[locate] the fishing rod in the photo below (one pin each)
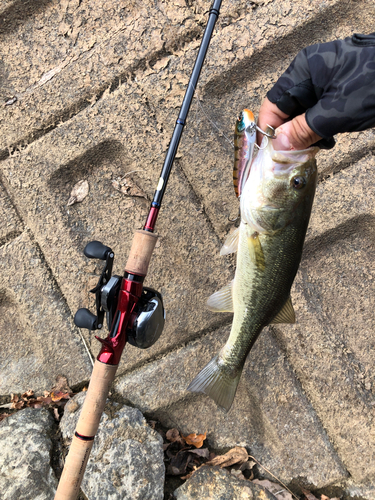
(134, 313)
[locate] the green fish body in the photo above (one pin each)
(275, 206)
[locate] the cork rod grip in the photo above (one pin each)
(87, 426)
(140, 254)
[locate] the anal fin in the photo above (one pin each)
(286, 315)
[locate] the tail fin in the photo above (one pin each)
(215, 381)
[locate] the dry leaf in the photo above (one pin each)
(236, 455)
(178, 463)
(129, 188)
(238, 474)
(203, 452)
(16, 403)
(39, 402)
(247, 465)
(61, 385)
(27, 394)
(188, 476)
(56, 414)
(173, 436)
(57, 396)
(195, 439)
(278, 491)
(79, 192)
(14, 398)
(18, 406)
(4, 415)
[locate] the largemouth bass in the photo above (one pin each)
(275, 207)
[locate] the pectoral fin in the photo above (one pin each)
(286, 315)
(221, 301)
(231, 243)
(256, 251)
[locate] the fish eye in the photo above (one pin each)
(240, 123)
(298, 182)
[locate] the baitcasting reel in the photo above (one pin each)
(116, 296)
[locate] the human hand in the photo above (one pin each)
(292, 134)
(328, 89)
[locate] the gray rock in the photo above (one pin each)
(25, 471)
(218, 484)
(127, 460)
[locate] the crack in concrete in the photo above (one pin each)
(166, 352)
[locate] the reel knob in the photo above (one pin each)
(96, 250)
(86, 319)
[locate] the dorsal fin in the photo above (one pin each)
(221, 301)
(286, 315)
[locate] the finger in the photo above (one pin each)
(269, 114)
(295, 134)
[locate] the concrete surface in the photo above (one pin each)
(98, 87)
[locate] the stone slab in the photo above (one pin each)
(59, 57)
(102, 145)
(331, 346)
(38, 338)
(271, 415)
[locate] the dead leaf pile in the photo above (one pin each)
(56, 398)
(185, 454)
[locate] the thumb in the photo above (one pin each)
(295, 134)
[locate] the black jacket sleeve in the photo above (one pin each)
(334, 83)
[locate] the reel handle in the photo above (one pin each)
(96, 250)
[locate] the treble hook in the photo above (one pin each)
(270, 131)
(269, 134)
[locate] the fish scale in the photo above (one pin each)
(276, 203)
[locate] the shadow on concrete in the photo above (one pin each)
(318, 28)
(362, 224)
(18, 12)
